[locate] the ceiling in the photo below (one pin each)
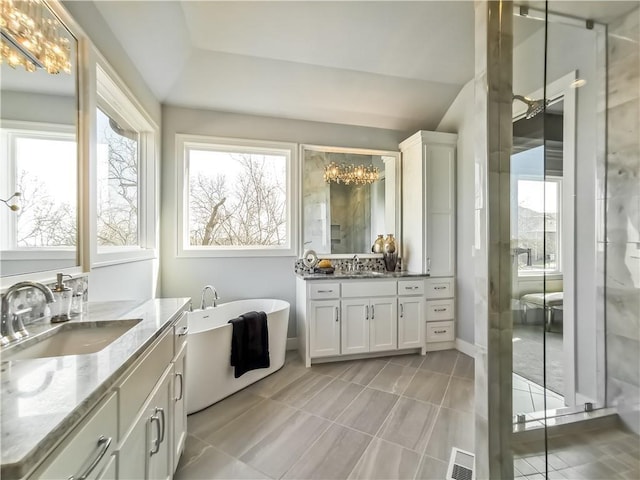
(396, 65)
(386, 64)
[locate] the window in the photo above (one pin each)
(537, 229)
(42, 164)
(237, 197)
(124, 196)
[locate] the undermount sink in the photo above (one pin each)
(71, 339)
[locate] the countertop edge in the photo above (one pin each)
(44, 447)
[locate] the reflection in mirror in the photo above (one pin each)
(39, 158)
(344, 211)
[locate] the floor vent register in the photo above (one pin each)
(461, 465)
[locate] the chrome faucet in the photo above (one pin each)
(215, 296)
(12, 329)
(355, 263)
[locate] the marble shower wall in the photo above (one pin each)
(492, 260)
(622, 244)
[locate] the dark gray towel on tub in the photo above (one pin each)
(249, 342)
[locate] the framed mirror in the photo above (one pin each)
(39, 186)
(349, 197)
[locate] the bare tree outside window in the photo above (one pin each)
(117, 206)
(237, 199)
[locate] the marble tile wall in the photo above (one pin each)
(492, 262)
(622, 195)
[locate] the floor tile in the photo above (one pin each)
(239, 435)
(282, 447)
(432, 469)
(333, 456)
(213, 418)
(441, 362)
(368, 411)
(393, 378)
(203, 461)
(331, 401)
(522, 402)
(302, 389)
(383, 460)
(363, 371)
(460, 394)
(333, 369)
(411, 360)
(551, 402)
(465, 366)
(278, 380)
(595, 471)
(428, 386)
(524, 467)
(452, 429)
(410, 423)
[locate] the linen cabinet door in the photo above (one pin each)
(355, 326)
(410, 322)
(383, 324)
(179, 405)
(324, 328)
(160, 430)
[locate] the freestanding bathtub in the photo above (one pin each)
(209, 374)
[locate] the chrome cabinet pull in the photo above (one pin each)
(179, 375)
(103, 446)
(401, 310)
(366, 310)
(325, 291)
(162, 417)
(439, 331)
(337, 314)
(428, 264)
(439, 288)
(156, 448)
(373, 312)
(439, 309)
(183, 331)
(415, 287)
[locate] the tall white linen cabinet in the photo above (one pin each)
(429, 226)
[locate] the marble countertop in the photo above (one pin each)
(359, 275)
(42, 398)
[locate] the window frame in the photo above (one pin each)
(115, 99)
(558, 271)
(289, 150)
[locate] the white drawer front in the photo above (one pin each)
(439, 288)
(440, 332)
(411, 287)
(321, 289)
(440, 310)
(371, 288)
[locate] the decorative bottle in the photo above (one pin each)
(389, 244)
(390, 255)
(61, 307)
(378, 245)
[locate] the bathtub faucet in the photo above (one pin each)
(215, 296)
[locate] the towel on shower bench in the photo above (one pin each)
(249, 342)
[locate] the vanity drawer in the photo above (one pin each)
(440, 310)
(439, 287)
(135, 388)
(440, 332)
(372, 288)
(321, 289)
(411, 287)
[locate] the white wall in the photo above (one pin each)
(460, 119)
(254, 277)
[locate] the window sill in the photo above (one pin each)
(235, 252)
(127, 256)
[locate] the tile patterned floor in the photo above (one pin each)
(386, 418)
(601, 454)
(528, 397)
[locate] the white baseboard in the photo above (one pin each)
(466, 347)
(292, 343)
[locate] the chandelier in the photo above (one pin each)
(351, 174)
(31, 37)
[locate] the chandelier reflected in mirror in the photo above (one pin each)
(350, 174)
(31, 37)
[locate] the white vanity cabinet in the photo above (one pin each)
(411, 304)
(180, 331)
(428, 203)
(440, 314)
(359, 317)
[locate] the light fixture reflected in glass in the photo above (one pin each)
(351, 174)
(32, 37)
(13, 206)
(577, 83)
